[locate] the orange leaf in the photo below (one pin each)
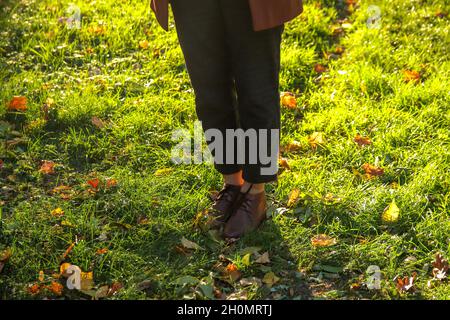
(411, 76)
(69, 249)
(102, 251)
(94, 183)
(372, 171)
(284, 163)
(34, 289)
(18, 103)
(41, 276)
(323, 240)
(47, 167)
(144, 44)
(406, 284)
(288, 100)
(231, 267)
(56, 288)
(111, 183)
(319, 68)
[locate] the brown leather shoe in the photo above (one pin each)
(249, 214)
(223, 206)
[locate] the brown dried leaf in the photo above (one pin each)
(362, 141)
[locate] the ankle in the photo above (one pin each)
(233, 179)
(253, 188)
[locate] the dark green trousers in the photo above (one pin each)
(234, 72)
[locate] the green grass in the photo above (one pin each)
(144, 94)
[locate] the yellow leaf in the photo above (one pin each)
(391, 213)
(161, 172)
(87, 281)
(57, 212)
(144, 44)
(41, 276)
(316, 139)
(293, 197)
(62, 269)
(246, 260)
(270, 279)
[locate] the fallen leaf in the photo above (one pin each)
(270, 279)
(161, 172)
(283, 162)
(253, 281)
(293, 197)
(391, 213)
(232, 272)
(187, 280)
(56, 288)
(111, 183)
(96, 121)
(246, 260)
(41, 276)
(411, 76)
(102, 292)
(58, 212)
(293, 146)
(63, 268)
(362, 141)
(316, 139)
(323, 240)
(441, 14)
(94, 183)
(319, 68)
(115, 287)
(69, 249)
(189, 244)
(144, 44)
(406, 284)
(102, 251)
(288, 100)
(97, 30)
(87, 280)
(18, 103)
(372, 171)
(34, 289)
(47, 167)
(440, 267)
(263, 259)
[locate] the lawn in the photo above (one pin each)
(86, 177)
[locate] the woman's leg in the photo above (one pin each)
(202, 36)
(256, 67)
